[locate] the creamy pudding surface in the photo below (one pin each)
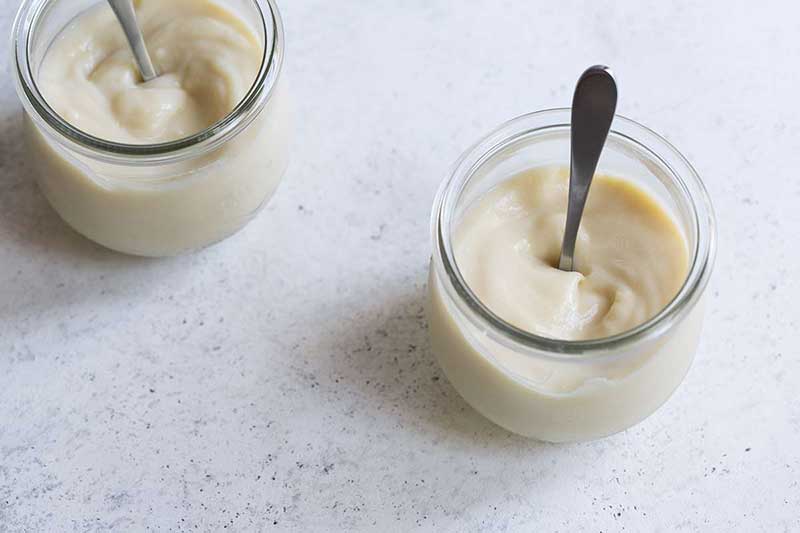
(206, 56)
(631, 258)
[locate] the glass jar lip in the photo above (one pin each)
(94, 147)
(593, 350)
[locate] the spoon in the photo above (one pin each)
(126, 16)
(593, 106)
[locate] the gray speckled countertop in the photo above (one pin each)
(283, 379)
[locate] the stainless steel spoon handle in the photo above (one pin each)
(126, 15)
(593, 106)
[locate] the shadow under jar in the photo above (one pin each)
(558, 390)
(166, 198)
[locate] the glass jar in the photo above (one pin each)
(556, 390)
(156, 199)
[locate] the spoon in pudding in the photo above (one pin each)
(593, 106)
(126, 16)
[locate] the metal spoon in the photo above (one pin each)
(126, 16)
(593, 106)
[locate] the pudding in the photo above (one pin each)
(166, 166)
(568, 356)
(631, 258)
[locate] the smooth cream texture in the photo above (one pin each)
(208, 57)
(632, 260)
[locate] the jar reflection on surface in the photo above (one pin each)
(556, 390)
(161, 199)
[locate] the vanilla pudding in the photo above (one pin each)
(631, 257)
(173, 164)
(206, 56)
(566, 356)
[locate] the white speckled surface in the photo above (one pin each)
(282, 379)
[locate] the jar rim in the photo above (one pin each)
(260, 91)
(591, 350)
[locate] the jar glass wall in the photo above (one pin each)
(557, 390)
(157, 199)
